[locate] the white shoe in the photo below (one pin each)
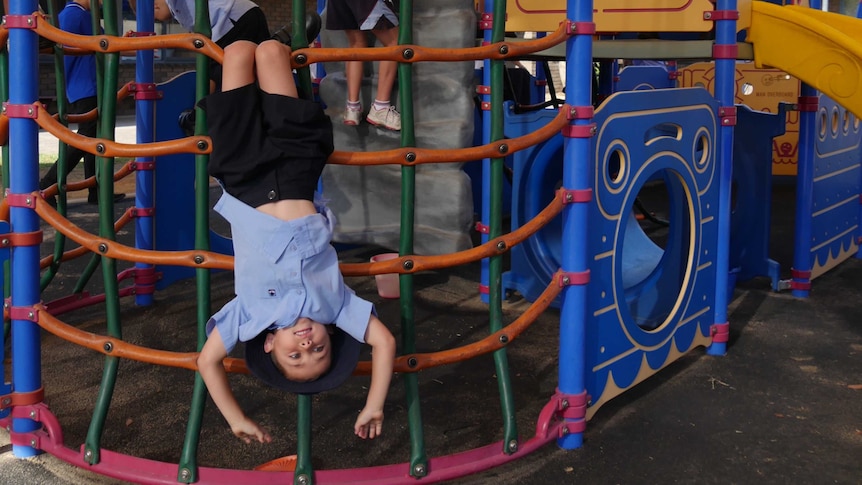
(388, 118)
(352, 116)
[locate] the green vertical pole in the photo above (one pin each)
(418, 457)
(62, 110)
(95, 13)
(104, 175)
(495, 224)
(299, 41)
(304, 473)
(188, 468)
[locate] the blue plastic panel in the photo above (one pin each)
(836, 187)
(638, 327)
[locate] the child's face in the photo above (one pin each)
(161, 12)
(302, 352)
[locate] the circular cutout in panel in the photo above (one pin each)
(644, 258)
(823, 126)
(616, 167)
(656, 250)
(834, 121)
(701, 150)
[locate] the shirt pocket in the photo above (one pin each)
(278, 293)
(280, 247)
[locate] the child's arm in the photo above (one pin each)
(369, 424)
(211, 367)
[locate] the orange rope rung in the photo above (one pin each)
(80, 250)
(416, 156)
(410, 53)
(493, 247)
(115, 250)
(198, 145)
(404, 364)
(494, 341)
(109, 43)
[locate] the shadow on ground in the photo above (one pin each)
(780, 407)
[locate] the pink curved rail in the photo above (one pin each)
(141, 470)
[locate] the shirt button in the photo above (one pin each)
(271, 195)
(298, 292)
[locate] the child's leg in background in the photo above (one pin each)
(388, 69)
(383, 112)
(353, 74)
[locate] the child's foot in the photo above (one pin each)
(312, 26)
(186, 120)
(352, 116)
(388, 118)
(312, 30)
(282, 35)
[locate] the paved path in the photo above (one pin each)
(125, 133)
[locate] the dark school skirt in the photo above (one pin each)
(351, 14)
(266, 147)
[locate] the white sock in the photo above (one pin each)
(354, 105)
(379, 105)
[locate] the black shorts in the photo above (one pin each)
(251, 26)
(266, 147)
(351, 14)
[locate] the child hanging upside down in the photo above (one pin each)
(302, 326)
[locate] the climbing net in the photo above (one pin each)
(561, 415)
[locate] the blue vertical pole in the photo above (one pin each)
(485, 98)
(800, 282)
(859, 231)
(24, 179)
(145, 133)
(577, 160)
(724, 52)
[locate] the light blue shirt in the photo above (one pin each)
(222, 13)
(284, 270)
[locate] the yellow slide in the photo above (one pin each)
(822, 49)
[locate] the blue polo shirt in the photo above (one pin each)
(284, 270)
(80, 70)
(223, 14)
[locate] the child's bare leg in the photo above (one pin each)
(274, 76)
(238, 65)
(274, 73)
(353, 69)
(388, 69)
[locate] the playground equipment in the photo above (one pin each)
(764, 90)
(629, 303)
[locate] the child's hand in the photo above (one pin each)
(247, 430)
(369, 424)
